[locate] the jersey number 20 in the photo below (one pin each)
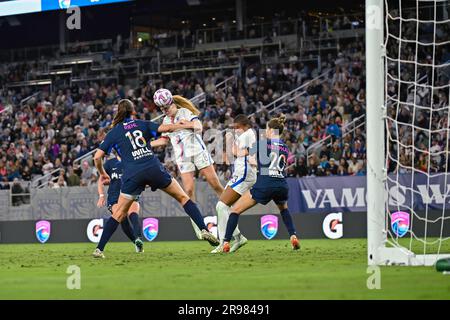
(137, 139)
(277, 162)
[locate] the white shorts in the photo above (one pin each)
(243, 180)
(199, 161)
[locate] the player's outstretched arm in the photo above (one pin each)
(195, 125)
(161, 142)
(174, 127)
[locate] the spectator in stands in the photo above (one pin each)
(333, 167)
(86, 171)
(301, 169)
(336, 151)
(73, 179)
(17, 193)
(60, 183)
(353, 166)
(47, 167)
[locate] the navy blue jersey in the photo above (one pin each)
(271, 182)
(114, 169)
(131, 140)
(272, 155)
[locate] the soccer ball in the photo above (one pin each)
(163, 97)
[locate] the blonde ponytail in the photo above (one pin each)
(182, 102)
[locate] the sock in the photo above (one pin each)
(197, 231)
(231, 226)
(127, 229)
(134, 219)
(223, 212)
(108, 230)
(192, 210)
(287, 219)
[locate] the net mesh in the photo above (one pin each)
(417, 73)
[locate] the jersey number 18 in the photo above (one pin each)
(137, 139)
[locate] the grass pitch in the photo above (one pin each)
(322, 269)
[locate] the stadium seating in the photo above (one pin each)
(54, 112)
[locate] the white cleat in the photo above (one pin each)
(239, 243)
(139, 245)
(208, 236)
(218, 249)
(98, 254)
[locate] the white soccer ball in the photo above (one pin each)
(163, 97)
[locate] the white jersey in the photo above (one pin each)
(244, 175)
(244, 141)
(185, 143)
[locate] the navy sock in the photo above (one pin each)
(287, 219)
(108, 230)
(231, 225)
(134, 218)
(127, 229)
(192, 210)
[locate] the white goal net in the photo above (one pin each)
(410, 224)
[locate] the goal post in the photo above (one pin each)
(408, 128)
(375, 128)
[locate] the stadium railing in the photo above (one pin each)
(349, 128)
(292, 95)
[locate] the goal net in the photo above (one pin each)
(408, 73)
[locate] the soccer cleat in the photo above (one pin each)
(208, 236)
(240, 242)
(139, 245)
(98, 253)
(217, 249)
(295, 243)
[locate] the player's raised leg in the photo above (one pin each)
(187, 179)
(175, 191)
(213, 180)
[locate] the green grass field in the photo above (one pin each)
(323, 269)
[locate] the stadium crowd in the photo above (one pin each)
(51, 130)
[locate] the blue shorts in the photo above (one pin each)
(156, 177)
(265, 194)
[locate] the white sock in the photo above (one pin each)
(223, 211)
(198, 232)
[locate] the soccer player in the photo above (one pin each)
(113, 167)
(140, 168)
(244, 177)
(272, 154)
(189, 149)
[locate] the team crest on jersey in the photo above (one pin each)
(150, 228)
(115, 175)
(269, 226)
(43, 229)
(400, 223)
